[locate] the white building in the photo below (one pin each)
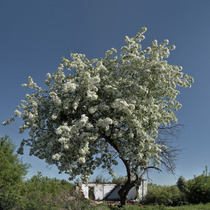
(103, 191)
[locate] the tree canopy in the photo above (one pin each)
(93, 111)
(180, 183)
(12, 170)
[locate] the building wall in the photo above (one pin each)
(114, 195)
(101, 191)
(84, 189)
(143, 189)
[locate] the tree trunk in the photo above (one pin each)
(123, 200)
(124, 190)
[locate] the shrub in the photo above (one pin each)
(180, 183)
(197, 190)
(119, 180)
(166, 195)
(100, 179)
(12, 172)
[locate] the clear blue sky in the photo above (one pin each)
(34, 35)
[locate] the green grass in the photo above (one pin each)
(161, 207)
(88, 205)
(192, 207)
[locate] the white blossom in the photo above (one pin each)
(54, 117)
(62, 140)
(56, 156)
(96, 79)
(69, 86)
(166, 41)
(66, 146)
(81, 160)
(17, 113)
(155, 42)
(75, 105)
(116, 102)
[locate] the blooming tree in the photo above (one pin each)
(103, 107)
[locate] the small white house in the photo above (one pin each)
(110, 191)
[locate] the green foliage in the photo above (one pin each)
(166, 195)
(12, 172)
(205, 172)
(197, 190)
(46, 185)
(119, 180)
(41, 190)
(9, 198)
(190, 207)
(180, 183)
(162, 207)
(36, 193)
(100, 179)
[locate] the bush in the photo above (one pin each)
(119, 180)
(100, 179)
(12, 172)
(180, 183)
(197, 190)
(166, 195)
(37, 193)
(47, 191)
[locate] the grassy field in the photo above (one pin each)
(104, 206)
(137, 207)
(187, 207)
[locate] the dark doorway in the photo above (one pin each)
(91, 193)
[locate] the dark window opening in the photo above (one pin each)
(91, 193)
